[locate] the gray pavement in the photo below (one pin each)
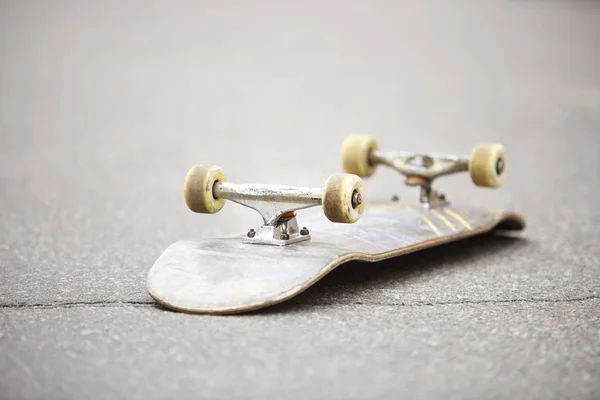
(104, 107)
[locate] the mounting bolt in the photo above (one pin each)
(304, 231)
(442, 197)
(251, 233)
(284, 236)
(395, 198)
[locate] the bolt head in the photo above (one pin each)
(284, 236)
(304, 231)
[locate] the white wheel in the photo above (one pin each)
(488, 165)
(343, 198)
(356, 151)
(198, 188)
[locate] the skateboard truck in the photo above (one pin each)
(486, 165)
(206, 189)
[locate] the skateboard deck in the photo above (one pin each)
(226, 276)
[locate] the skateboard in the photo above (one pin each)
(279, 260)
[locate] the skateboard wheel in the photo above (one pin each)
(356, 151)
(343, 198)
(198, 188)
(487, 165)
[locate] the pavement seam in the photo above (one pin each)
(504, 301)
(404, 304)
(81, 304)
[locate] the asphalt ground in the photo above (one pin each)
(104, 106)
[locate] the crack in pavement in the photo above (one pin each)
(502, 301)
(118, 304)
(80, 304)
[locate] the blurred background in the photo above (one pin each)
(104, 106)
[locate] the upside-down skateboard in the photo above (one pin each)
(280, 260)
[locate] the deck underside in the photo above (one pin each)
(224, 276)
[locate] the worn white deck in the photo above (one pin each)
(224, 275)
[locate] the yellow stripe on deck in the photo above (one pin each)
(458, 218)
(431, 225)
(443, 219)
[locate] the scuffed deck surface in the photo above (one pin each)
(228, 276)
